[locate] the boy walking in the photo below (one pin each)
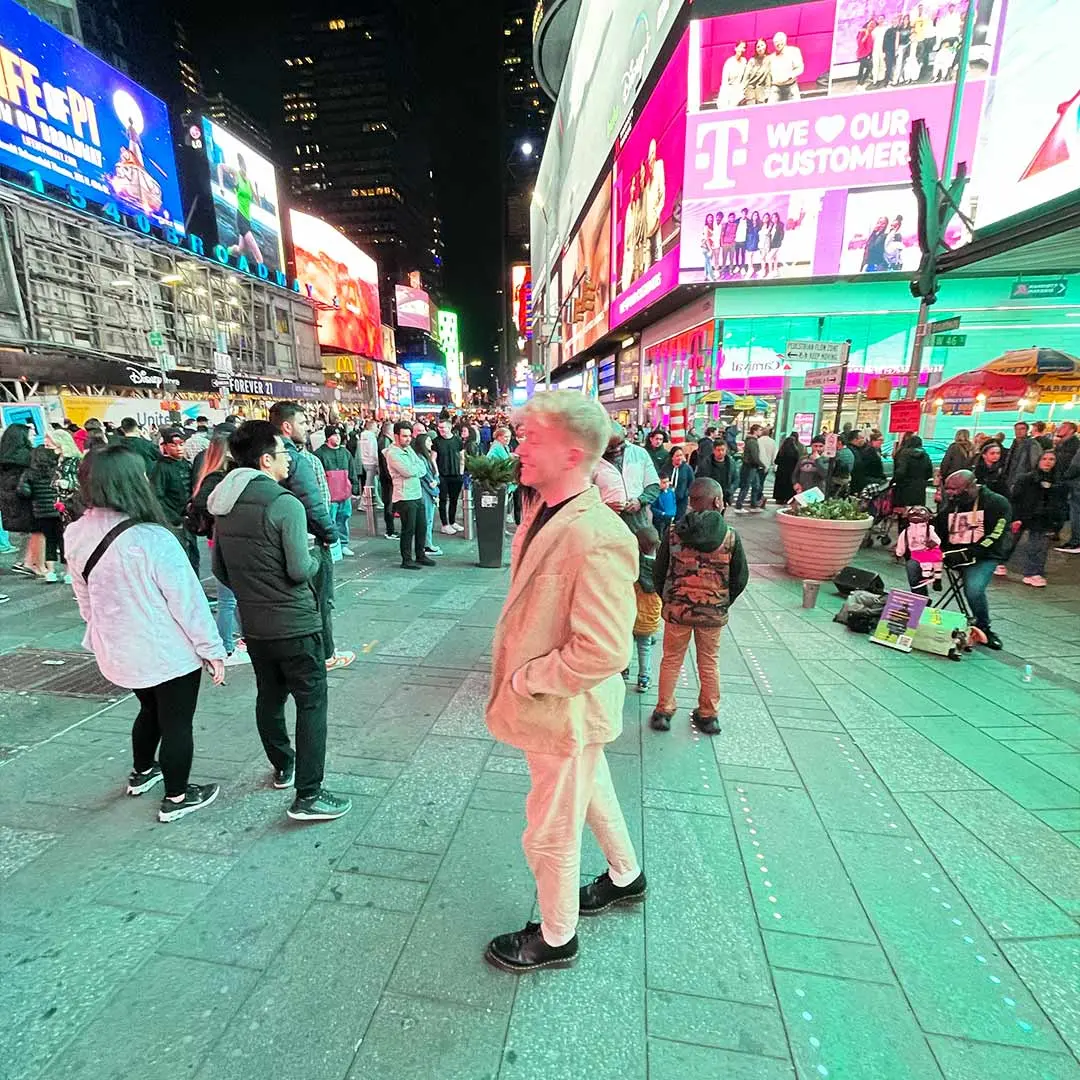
(700, 570)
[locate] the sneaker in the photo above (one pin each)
(457, 528)
(346, 550)
(1000, 570)
(434, 552)
(740, 510)
(4, 598)
(526, 950)
(326, 806)
(660, 721)
(410, 566)
(390, 536)
(27, 571)
(626, 673)
(602, 893)
(67, 579)
(1036, 581)
(992, 640)
(425, 561)
(51, 578)
(195, 798)
(8, 550)
(707, 725)
(341, 658)
(283, 778)
(140, 782)
(237, 658)
(447, 530)
(1071, 548)
(757, 509)
(643, 683)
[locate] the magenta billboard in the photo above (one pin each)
(647, 195)
(798, 129)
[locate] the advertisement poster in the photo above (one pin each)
(82, 124)
(246, 208)
(586, 277)
(413, 307)
(818, 177)
(343, 278)
(899, 619)
(521, 298)
(647, 192)
(1032, 149)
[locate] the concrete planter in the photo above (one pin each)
(819, 549)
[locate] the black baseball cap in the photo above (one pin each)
(171, 434)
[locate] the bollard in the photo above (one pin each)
(466, 510)
(368, 504)
(809, 593)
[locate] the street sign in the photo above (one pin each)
(1046, 289)
(157, 339)
(942, 326)
(904, 416)
(817, 352)
(823, 376)
(949, 341)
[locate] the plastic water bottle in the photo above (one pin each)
(1027, 673)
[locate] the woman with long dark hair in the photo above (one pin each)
(15, 447)
(148, 622)
(429, 488)
(216, 461)
(38, 486)
(787, 457)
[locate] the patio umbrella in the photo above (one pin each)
(993, 391)
(1031, 362)
(717, 397)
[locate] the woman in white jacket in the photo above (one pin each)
(148, 622)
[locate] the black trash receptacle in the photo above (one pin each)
(489, 513)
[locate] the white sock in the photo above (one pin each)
(624, 879)
(553, 939)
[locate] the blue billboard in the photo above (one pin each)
(82, 125)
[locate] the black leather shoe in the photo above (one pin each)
(409, 566)
(660, 721)
(526, 950)
(707, 725)
(992, 640)
(425, 561)
(603, 893)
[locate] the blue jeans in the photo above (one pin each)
(429, 519)
(644, 643)
(228, 621)
(976, 577)
(5, 540)
(340, 513)
(752, 477)
(1033, 557)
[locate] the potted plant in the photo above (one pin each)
(821, 538)
(493, 479)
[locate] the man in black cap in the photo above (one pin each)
(171, 480)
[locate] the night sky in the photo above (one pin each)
(459, 61)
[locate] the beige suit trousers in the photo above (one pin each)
(566, 793)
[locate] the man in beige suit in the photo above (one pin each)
(557, 692)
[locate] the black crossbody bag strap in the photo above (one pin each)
(106, 543)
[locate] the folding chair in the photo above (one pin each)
(954, 591)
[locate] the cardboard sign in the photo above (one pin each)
(898, 619)
(904, 416)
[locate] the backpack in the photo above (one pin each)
(197, 519)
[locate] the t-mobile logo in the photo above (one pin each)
(721, 145)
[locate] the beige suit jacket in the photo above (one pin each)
(567, 626)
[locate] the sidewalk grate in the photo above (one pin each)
(50, 671)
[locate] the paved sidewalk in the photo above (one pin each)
(873, 873)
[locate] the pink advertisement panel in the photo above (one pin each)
(646, 195)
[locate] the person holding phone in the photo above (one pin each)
(148, 622)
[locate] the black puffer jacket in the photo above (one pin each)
(1040, 503)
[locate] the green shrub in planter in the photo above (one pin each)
(491, 472)
(830, 510)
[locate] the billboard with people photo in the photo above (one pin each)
(586, 277)
(647, 196)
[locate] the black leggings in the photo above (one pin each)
(53, 531)
(386, 490)
(449, 493)
(165, 718)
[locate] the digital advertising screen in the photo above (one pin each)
(81, 124)
(413, 307)
(246, 208)
(1032, 148)
(345, 279)
(586, 277)
(521, 299)
(647, 193)
(797, 161)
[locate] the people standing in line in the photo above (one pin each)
(990, 468)
(261, 553)
(1042, 435)
(406, 468)
(720, 466)
(291, 422)
(15, 449)
(751, 474)
(171, 480)
(386, 481)
(367, 460)
(647, 597)
(131, 438)
(198, 441)
(700, 571)
(343, 480)
(148, 622)
(561, 642)
(430, 490)
(1067, 470)
(215, 462)
(449, 450)
(682, 476)
(960, 454)
(787, 457)
(38, 485)
(1040, 504)
(913, 471)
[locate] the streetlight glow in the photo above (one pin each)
(526, 149)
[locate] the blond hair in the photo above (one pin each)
(65, 444)
(584, 420)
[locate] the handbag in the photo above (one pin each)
(104, 544)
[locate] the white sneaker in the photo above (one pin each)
(348, 551)
(237, 658)
(447, 530)
(1036, 581)
(1000, 570)
(458, 528)
(50, 578)
(433, 551)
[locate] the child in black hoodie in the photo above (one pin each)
(700, 570)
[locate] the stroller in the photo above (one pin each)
(877, 501)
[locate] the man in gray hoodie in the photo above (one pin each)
(261, 553)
